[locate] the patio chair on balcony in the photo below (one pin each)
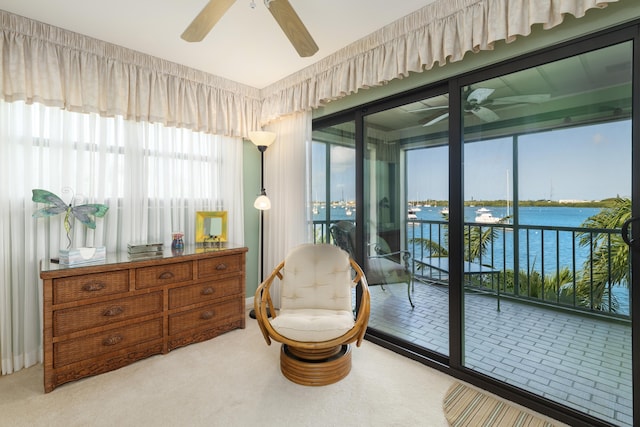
(385, 267)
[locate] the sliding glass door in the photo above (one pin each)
(488, 212)
(547, 186)
(406, 188)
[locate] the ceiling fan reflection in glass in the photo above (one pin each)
(478, 102)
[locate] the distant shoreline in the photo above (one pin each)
(545, 203)
(606, 203)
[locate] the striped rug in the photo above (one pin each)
(465, 406)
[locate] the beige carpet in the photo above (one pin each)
(232, 380)
(465, 406)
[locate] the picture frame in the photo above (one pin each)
(211, 228)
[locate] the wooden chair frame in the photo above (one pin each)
(313, 363)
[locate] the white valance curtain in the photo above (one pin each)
(55, 67)
(441, 32)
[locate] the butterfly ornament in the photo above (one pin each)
(57, 206)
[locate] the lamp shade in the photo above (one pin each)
(262, 138)
(262, 203)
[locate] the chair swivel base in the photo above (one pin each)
(315, 367)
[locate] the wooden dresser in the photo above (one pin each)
(100, 317)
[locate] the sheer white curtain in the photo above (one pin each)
(153, 178)
(288, 222)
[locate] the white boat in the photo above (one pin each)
(411, 214)
(485, 216)
(444, 210)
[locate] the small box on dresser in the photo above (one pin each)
(101, 317)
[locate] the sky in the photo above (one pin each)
(581, 163)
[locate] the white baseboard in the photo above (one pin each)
(248, 303)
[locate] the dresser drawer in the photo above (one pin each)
(78, 288)
(99, 314)
(148, 277)
(218, 266)
(205, 317)
(75, 350)
(201, 292)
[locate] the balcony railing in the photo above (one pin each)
(552, 267)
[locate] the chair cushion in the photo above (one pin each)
(313, 325)
(316, 277)
(383, 271)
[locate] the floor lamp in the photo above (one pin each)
(262, 140)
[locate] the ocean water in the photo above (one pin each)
(562, 246)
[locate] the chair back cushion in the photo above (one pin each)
(316, 277)
(344, 236)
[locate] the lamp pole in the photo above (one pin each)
(262, 149)
(262, 140)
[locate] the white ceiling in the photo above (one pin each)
(245, 46)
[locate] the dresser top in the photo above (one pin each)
(122, 260)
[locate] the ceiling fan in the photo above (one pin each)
(477, 102)
(282, 11)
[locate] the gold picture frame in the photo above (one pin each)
(208, 222)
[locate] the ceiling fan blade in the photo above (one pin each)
(479, 95)
(436, 120)
(292, 26)
(485, 114)
(206, 19)
(439, 107)
(522, 99)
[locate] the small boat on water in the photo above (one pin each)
(444, 210)
(411, 214)
(485, 216)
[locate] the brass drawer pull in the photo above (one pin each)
(166, 275)
(113, 311)
(93, 286)
(221, 266)
(207, 291)
(207, 315)
(112, 340)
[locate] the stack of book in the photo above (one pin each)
(145, 250)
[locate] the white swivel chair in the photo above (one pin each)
(315, 318)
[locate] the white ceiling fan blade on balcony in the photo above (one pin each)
(480, 95)
(418, 110)
(485, 114)
(436, 120)
(292, 26)
(206, 19)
